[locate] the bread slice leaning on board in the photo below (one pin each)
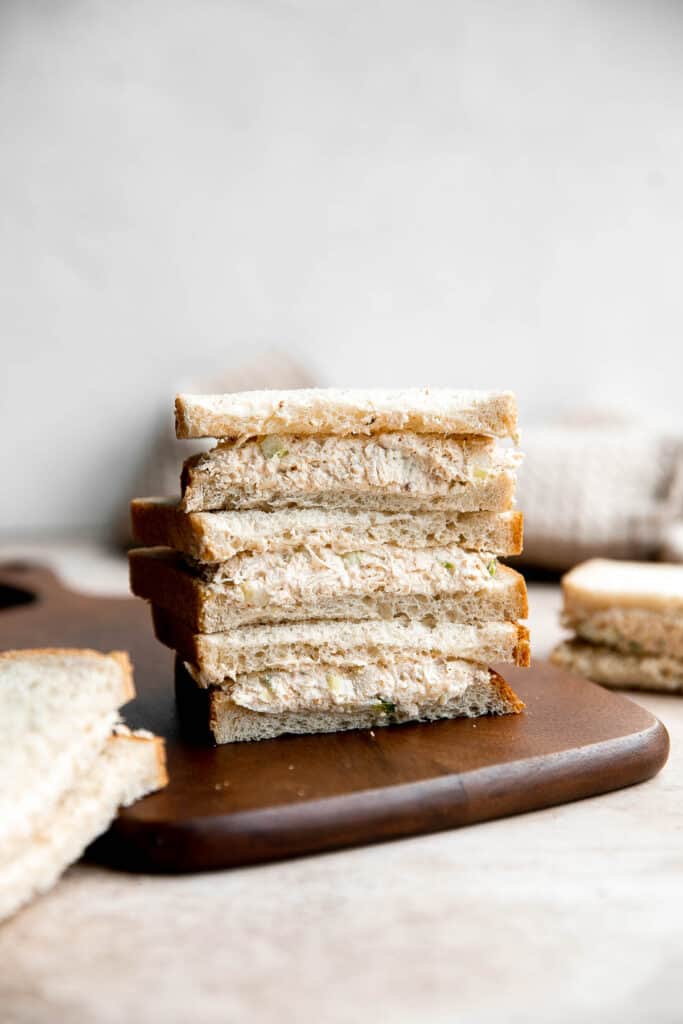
(346, 411)
(129, 766)
(59, 715)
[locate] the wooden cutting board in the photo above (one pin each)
(253, 802)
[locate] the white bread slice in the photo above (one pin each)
(612, 668)
(57, 710)
(630, 630)
(218, 536)
(385, 472)
(159, 576)
(606, 583)
(129, 766)
(336, 411)
(305, 645)
(228, 722)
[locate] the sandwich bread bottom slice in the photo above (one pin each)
(130, 766)
(613, 668)
(257, 708)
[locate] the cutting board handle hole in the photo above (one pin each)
(11, 597)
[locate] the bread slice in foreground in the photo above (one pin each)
(610, 667)
(57, 710)
(385, 473)
(130, 765)
(159, 576)
(306, 645)
(218, 536)
(484, 693)
(338, 411)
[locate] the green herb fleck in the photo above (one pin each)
(387, 707)
(449, 566)
(492, 567)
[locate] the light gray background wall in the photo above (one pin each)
(454, 192)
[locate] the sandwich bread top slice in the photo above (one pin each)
(339, 412)
(607, 583)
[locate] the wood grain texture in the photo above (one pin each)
(255, 802)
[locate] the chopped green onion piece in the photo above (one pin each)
(273, 446)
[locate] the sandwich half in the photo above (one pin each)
(257, 707)
(219, 536)
(220, 657)
(628, 623)
(457, 588)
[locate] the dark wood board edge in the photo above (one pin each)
(374, 816)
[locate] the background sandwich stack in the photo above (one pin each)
(332, 563)
(628, 623)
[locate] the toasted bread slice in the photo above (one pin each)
(305, 645)
(159, 576)
(335, 411)
(218, 536)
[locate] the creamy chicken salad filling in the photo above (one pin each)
(259, 578)
(390, 689)
(424, 464)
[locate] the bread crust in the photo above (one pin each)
(340, 412)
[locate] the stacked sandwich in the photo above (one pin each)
(332, 563)
(66, 762)
(628, 621)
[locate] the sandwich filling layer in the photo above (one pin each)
(402, 464)
(398, 690)
(631, 630)
(260, 579)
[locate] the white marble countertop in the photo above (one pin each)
(573, 913)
